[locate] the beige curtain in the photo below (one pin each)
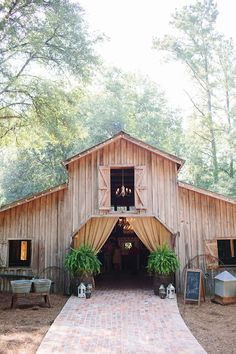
(150, 231)
(95, 232)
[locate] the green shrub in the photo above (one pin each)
(163, 261)
(82, 261)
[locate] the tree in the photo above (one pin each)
(54, 131)
(226, 100)
(64, 122)
(37, 36)
(135, 104)
(194, 46)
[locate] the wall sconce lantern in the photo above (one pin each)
(162, 292)
(170, 291)
(81, 290)
(88, 291)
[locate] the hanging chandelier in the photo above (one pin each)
(123, 222)
(123, 191)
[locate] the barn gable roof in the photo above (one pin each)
(206, 192)
(32, 197)
(127, 137)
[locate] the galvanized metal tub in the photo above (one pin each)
(21, 286)
(41, 285)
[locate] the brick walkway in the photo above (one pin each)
(120, 321)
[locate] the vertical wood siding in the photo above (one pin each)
(47, 222)
(202, 218)
(161, 181)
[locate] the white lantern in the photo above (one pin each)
(162, 292)
(81, 290)
(170, 291)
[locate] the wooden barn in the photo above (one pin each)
(125, 189)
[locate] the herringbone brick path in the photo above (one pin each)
(120, 321)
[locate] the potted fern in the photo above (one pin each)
(162, 263)
(82, 263)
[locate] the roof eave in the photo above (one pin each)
(206, 192)
(34, 196)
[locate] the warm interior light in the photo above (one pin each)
(128, 245)
(23, 251)
(123, 222)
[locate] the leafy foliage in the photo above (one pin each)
(68, 121)
(209, 59)
(37, 36)
(45, 120)
(32, 163)
(125, 101)
(82, 261)
(162, 261)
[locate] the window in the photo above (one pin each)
(19, 253)
(226, 251)
(122, 188)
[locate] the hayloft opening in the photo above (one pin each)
(122, 188)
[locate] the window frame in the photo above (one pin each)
(232, 251)
(123, 167)
(104, 189)
(30, 257)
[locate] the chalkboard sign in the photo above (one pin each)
(193, 286)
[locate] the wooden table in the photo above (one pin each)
(16, 297)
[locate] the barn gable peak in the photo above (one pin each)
(128, 137)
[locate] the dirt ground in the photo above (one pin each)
(23, 328)
(212, 324)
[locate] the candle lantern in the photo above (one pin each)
(162, 292)
(81, 290)
(170, 291)
(88, 291)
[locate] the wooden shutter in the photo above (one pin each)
(140, 181)
(3, 253)
(211, 252)
(104, 189)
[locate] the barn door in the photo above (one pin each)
(104, 189)
(140, 181)
(211, 251)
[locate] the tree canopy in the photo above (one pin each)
(209, 58)
(58, 98)
(38, 39)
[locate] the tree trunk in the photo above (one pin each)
(211, 124)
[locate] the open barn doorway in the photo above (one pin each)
(124, 259)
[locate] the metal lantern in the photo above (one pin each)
(81, 290)
(88, 291)
(162, 292)
(170, 291)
